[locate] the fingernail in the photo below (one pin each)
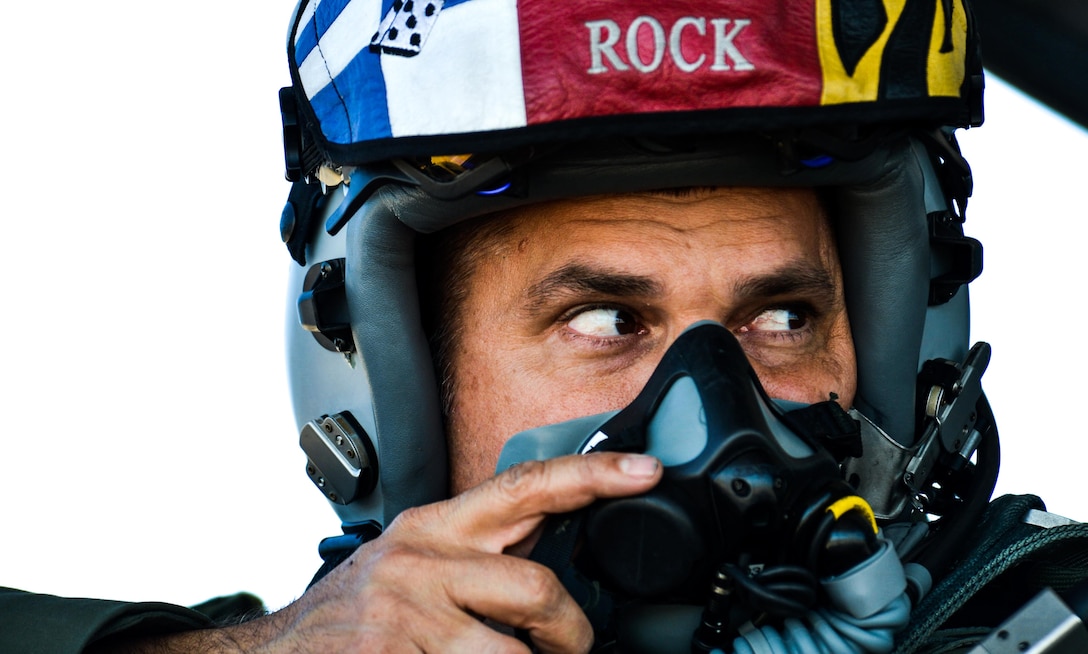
(639, 465)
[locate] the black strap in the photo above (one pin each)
(299, 217)
(556, 550)
(829, 425)
(336, 549)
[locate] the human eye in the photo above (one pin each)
(603, 322)
(781, 324)
(779, 319)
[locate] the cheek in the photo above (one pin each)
(493, 400)
(476, 425)
(832, 370)
(495, 395)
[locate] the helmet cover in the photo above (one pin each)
(383, 79)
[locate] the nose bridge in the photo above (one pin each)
(702, 261)
(701, 294)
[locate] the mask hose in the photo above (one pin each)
(857, 614)
(829, 631)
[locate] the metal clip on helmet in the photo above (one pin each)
(554, 100)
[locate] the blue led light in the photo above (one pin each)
(818, 161)
(495, 191)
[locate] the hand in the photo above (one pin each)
(424, 584)
(427, 583)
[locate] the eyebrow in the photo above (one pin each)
(579, 278)
(797, 278)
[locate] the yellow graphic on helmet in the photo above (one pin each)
(866, 49)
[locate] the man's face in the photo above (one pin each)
(569, 308)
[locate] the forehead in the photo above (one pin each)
(734, 218)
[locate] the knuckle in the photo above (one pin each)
(555, 621)
(523, 480)
(412, 519)
(542, 588)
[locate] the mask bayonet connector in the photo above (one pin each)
(340, 459)
(951, 394)
(954, 391)
(323, 306)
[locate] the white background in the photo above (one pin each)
(148, 450)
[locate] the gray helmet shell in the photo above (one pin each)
(882, 207)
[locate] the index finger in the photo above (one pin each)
(506, 508)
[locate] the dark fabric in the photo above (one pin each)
(334, 559)
(45, 624)
(300, 218)
(231, 609)
(1009, 565)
